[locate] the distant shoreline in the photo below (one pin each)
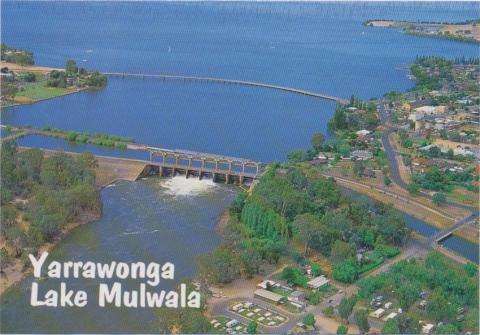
(466, 31)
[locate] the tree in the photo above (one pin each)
(345, 307)
(317, 141)
(448, 328)
(392, 227)
(219, 266)
(361, 318)
(5, 259)
(315, 270)
(71, 66)
(342, 251)
(439, 199)
(437, 306)
(408, 323)
(358, 168)
(413, 188)
(328, 311)
(293, 275)
(471, 269)
(252, 327)
(307, 226)
(309, 320)
(346, 272)
(386, 180)
(8, 218)
(391, 327)
(342, 330)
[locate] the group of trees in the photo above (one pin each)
(82, 76)
(437, 179)
(17, 56)
(293, 205)
(449, 286)
(365, 117)
(57, 189)
(431, 72)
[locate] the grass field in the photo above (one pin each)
(38, 91)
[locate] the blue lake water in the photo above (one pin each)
(320, 47)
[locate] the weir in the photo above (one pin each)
(223, 169)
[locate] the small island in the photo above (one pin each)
(467, 31)
(24, 83)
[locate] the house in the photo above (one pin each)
(267, 295)
(430, 110)
(378, 313)
(266, 284)
(363, 133)
(297, 296)
(318, 282)
(392, 315)
(416, 116)
(388, 305)
(361, 155)
(427, 329)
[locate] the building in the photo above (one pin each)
(363, 133)
(361, 155)
(416, 116)
(392, 315)
(378, 313)
(266, 284)
(318, 282)
(297, 296)
(267, 295)
(427, 329)
(430, 110)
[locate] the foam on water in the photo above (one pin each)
(181, 186)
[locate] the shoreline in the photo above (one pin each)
(15, 272)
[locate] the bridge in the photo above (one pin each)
(224, 169)
(228, 81)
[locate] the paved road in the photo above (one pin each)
(393, 156)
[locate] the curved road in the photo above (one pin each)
(393, 156)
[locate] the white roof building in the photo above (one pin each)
(264, 284)
(269, 295)
(318, 282)
(427, 329)
(363, 132)
(429, 110)
(378, 313)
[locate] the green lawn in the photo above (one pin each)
(39, 90)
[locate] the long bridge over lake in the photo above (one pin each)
(228, 81)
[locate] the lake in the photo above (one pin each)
(321, 47)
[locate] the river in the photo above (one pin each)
(152, 220)
(320, 47)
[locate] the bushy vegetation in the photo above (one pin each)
(431, 72)
(53, 191)
(100, 139)
(447, 285)
(437, 179)
(293, 206)
(17, 56)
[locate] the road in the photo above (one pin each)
(393, 158)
